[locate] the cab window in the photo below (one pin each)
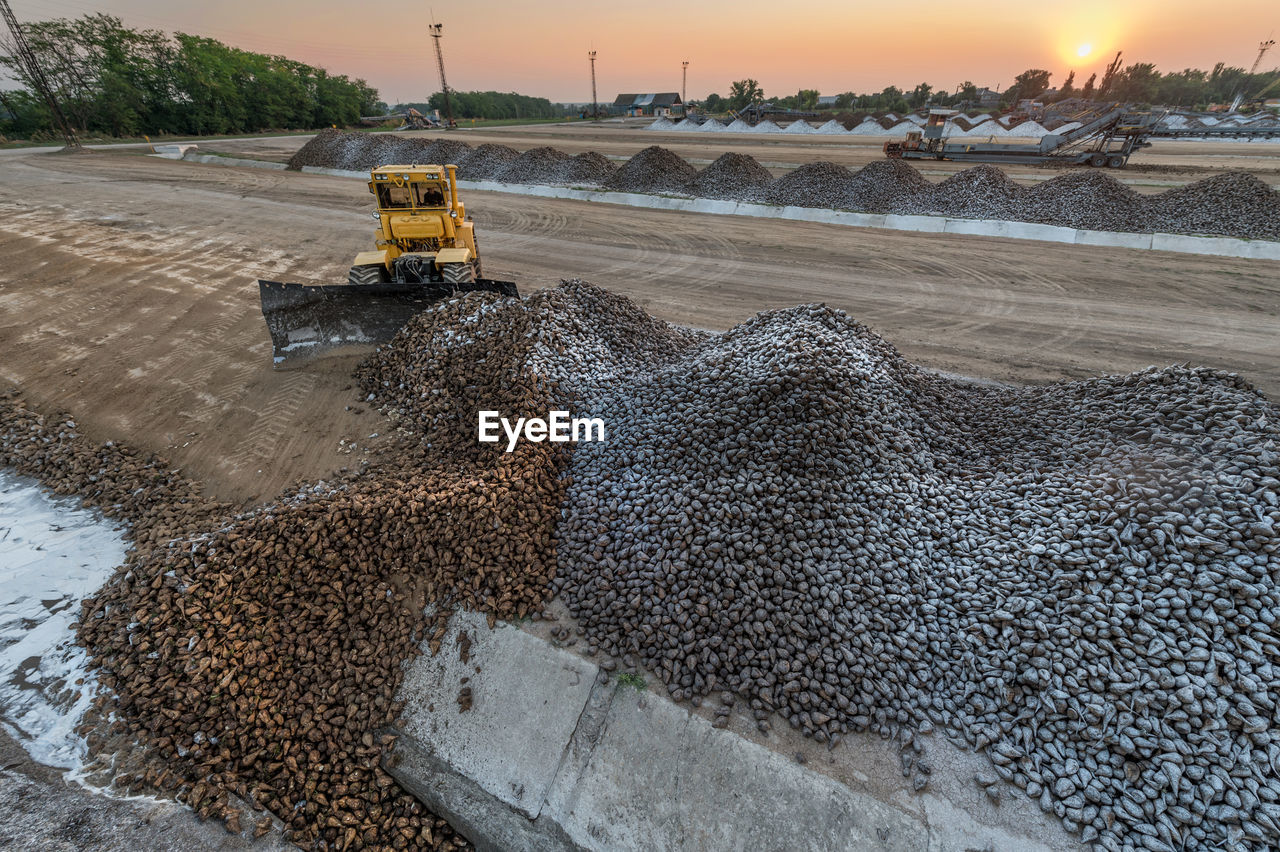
(429, 195)
(392, 196)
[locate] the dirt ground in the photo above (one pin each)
(1166, 163)
(40, 811)
(128, 297)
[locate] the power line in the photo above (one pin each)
(27, 58)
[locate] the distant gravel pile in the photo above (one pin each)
(334, 149)
(589, 168)
(818, 184)
(1079, 579)
(887, 186)
(537, 165)
(1202, 207)
(654, 169)
(1086, 199)
(731, 176)
(1234, 204)
(486, 162)
(982, 192)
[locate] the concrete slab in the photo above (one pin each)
(922, 224)
(954, 829)
(219, 160)
(1221, 246)
(525, 701)
(1113, 239)
(662, 778)
(553, 755)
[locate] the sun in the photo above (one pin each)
(1084, 50)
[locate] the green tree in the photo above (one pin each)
(743, 93)
(807, 99)
(920, 95)
(1139, 82)
(1028, 84)
(493, 105)
(713, 103)
(1183, 88)
(1087, 91)
(1109, 79)
(114, 80)
(1068, 87)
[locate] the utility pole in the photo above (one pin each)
(437, 30)
(1263, 47)
(595, 108)
(684, 81)
(27, 60)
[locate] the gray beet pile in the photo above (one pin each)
(1233, 204)
(334, 149)
(1077, 579)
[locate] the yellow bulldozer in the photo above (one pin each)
(425, 250)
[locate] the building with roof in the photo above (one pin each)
(988, 97)
(662, 103)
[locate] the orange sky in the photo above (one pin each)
(541, 48)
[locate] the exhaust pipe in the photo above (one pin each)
(453, 187)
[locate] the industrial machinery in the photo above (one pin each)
(425, 251)
(410, 119)
(1105, 137)
(753, 114)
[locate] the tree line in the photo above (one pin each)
(1138, 83)
(491, 105)
(113, 80)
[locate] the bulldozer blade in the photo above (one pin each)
(306, 321)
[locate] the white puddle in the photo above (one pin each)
(52, 555)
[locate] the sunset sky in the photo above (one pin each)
(829, 45)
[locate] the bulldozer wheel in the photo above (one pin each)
(1115, 161)
(458, 273)
(1098, 160)
(375, 274)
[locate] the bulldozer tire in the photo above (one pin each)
(1098, 160)
(1115, 161)
(458, 273)
(375, 274)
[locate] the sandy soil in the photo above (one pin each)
(128, 297)
(1166, 163)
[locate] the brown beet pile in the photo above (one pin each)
(258, 654)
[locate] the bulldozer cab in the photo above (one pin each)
(410, 188)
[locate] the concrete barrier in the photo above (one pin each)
(219, 160)
(546, 753)
(1182, 243)
(173, 151)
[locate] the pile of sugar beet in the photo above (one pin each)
(1234, 204)
(1076, 579)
